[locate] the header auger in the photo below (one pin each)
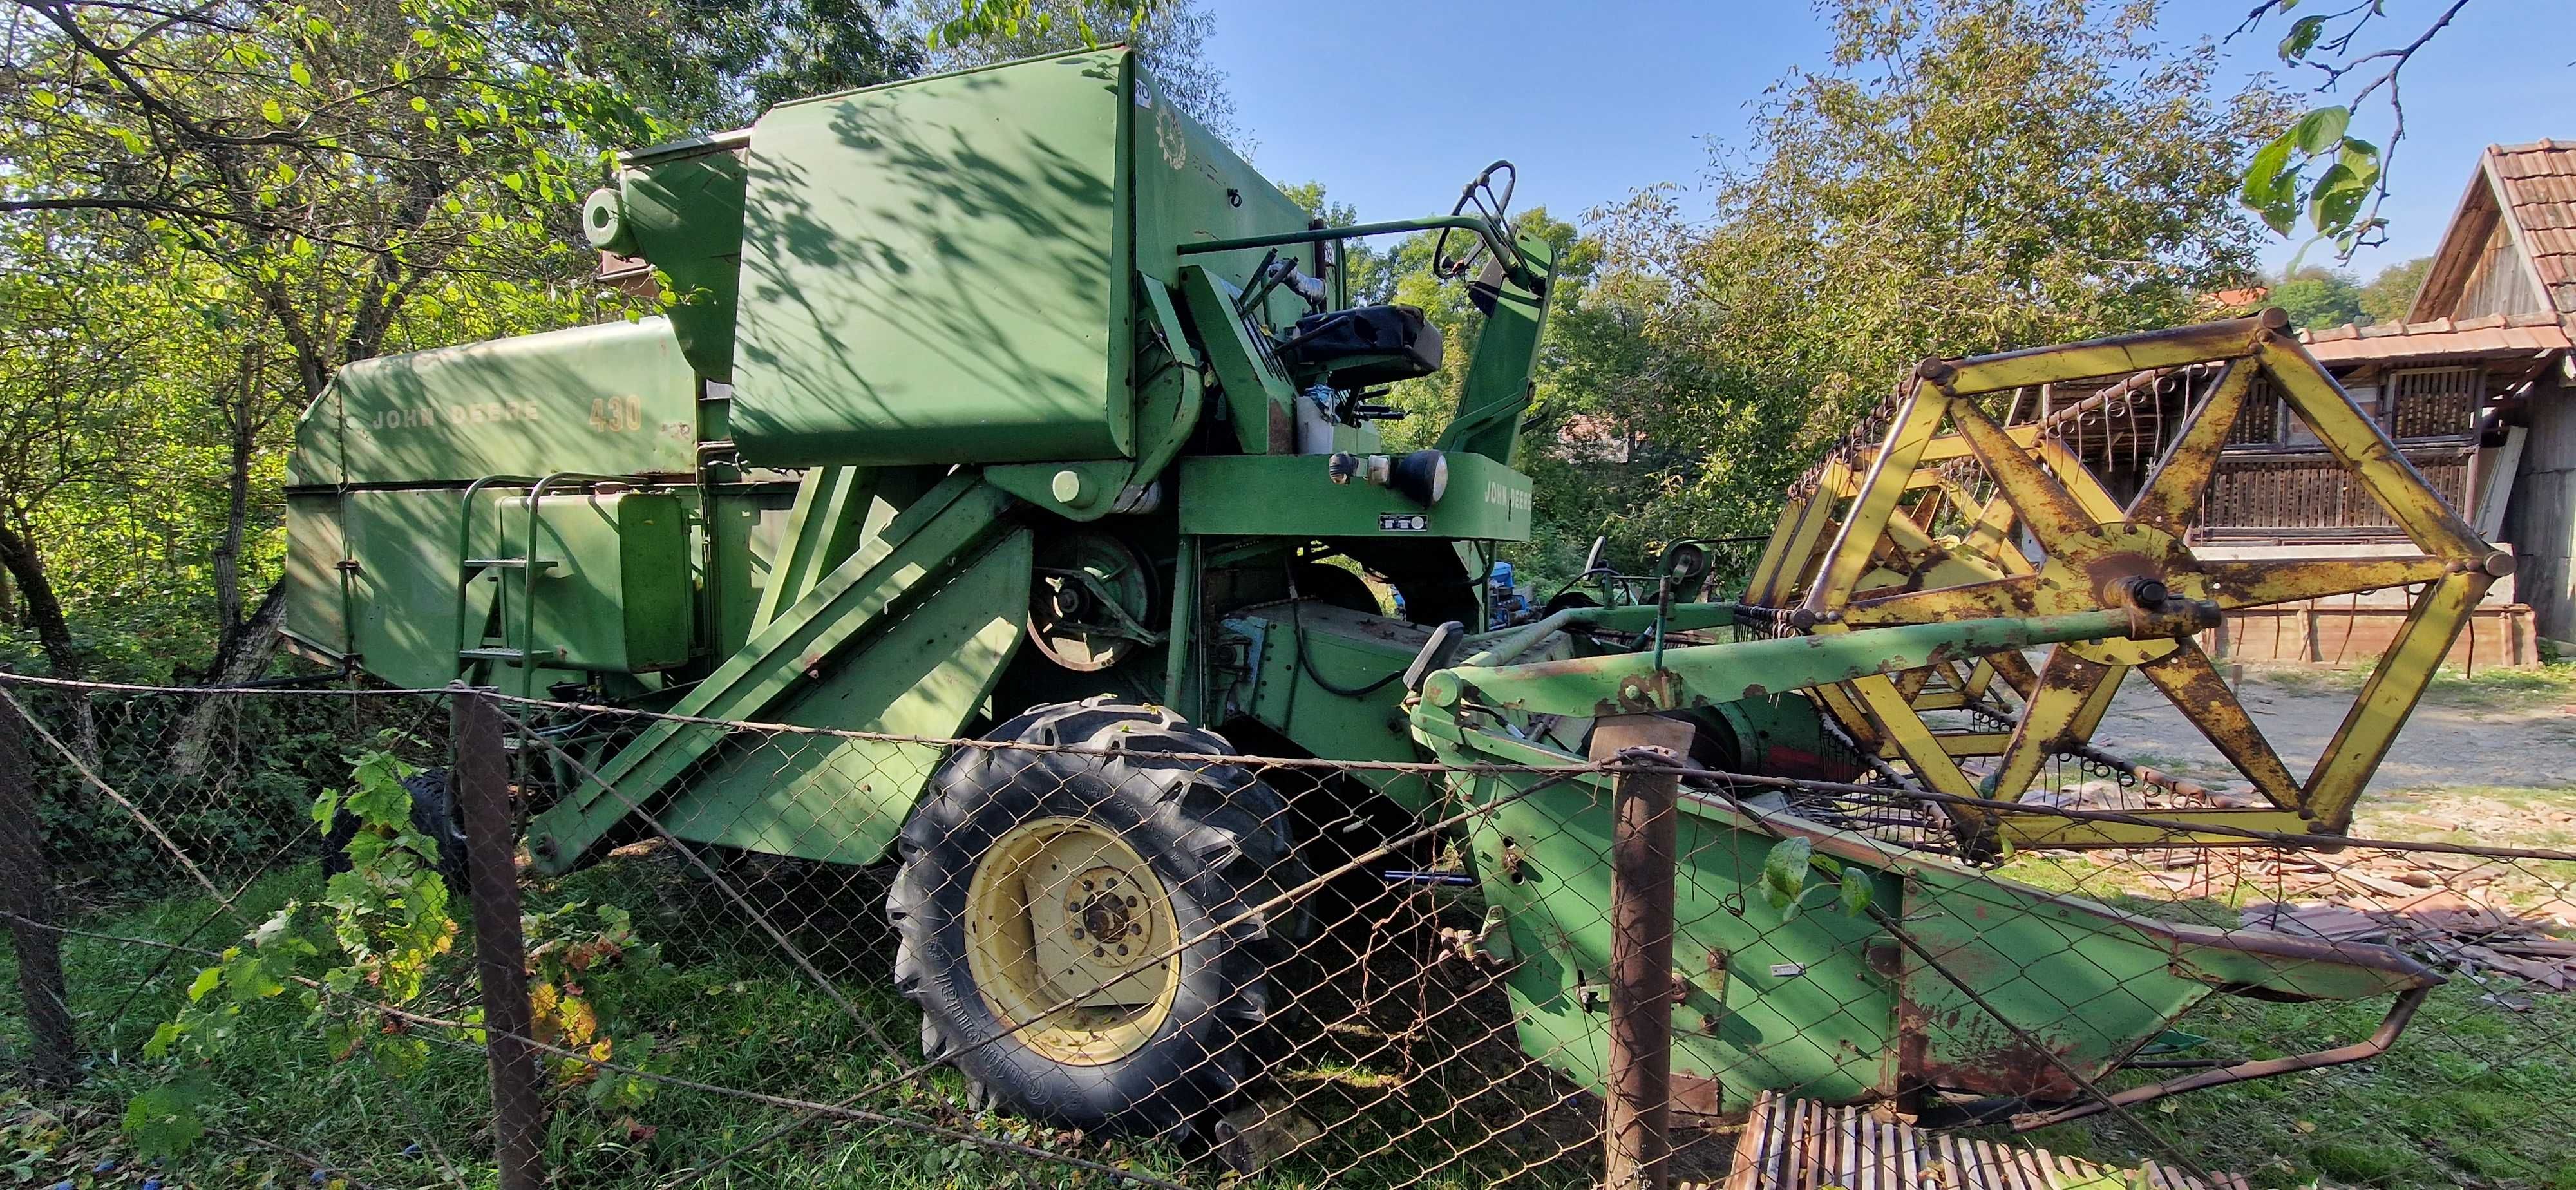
(1013, 404)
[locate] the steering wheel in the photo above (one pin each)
(1490, 204)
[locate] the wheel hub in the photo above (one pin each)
(1071, 934)
(1105, 917)
(2112, 567)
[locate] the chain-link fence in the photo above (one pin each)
(412, 938)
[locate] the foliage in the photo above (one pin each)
(379, 926)
(267, 759)
(586, 966)
(1788, 875)
(710, 65)
(2315, 298)
(2312, 164)
(209, 210)
(2392, 293)
(369, 953)
(1970, 177)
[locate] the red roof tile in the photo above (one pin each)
(2538, 181)
(2494, 334)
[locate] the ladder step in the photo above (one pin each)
(508, 563)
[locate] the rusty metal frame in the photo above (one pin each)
(1871, 569)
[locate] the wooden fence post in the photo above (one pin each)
(480, 779)
(1636, 1124)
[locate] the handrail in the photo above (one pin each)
(465, 544)
(528, 563)
(1502, 245)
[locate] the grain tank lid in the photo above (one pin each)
(613, 397)
(685, 147)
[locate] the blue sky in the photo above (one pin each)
(1393, 104)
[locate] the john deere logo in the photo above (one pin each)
(452, 415)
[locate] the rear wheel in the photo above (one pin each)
(433, 813)
(1090, 936)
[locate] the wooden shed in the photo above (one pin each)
(2475, 387)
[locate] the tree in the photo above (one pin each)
(2392, 293)
(2316, 298)
(210, 209)
(1968, 177)
(709, 65)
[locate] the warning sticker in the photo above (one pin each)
(1402, 522)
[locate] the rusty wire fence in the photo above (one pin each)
(1104, 948)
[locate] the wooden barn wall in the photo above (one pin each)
(2276, 496)
(2500, 284)
(2540, 520)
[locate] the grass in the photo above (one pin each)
(724, 1010)
(2493, 688)
(2477, 1093)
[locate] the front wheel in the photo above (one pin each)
(1093, 935)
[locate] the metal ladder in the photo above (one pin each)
(471, 654)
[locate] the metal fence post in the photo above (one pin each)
(1636, 1121)
(26, 895)
(481, 781)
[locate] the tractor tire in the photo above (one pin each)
(433, 813)
(1154, 860)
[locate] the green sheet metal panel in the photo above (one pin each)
(1293, 496)
(403, 589)
(617, 598)
(1767, 1004)
(616, 398)
(683, 212)
(840, 799)
(937, 271)
(1351, 650)
(317, 595)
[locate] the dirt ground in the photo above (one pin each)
(2501, 732)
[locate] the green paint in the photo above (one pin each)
(1294, 496)
(940, 531)
(840, 799)
(616, 399)
(681, 208)
(611, 592)
(1497, 390)
(1815, 1005)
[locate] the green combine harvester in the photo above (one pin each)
(1012, 404)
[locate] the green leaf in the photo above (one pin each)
(302, 77)
(2263, 179)
(274, 113)
(2336, 199)
(2301, 38)
(164, 1035)
(1784, 874)
(1855, 893)
(204, 983)
(162, 1122)
(2321, 131)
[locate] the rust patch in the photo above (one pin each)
(1696, 1095)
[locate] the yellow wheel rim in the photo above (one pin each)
(1061, 909)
